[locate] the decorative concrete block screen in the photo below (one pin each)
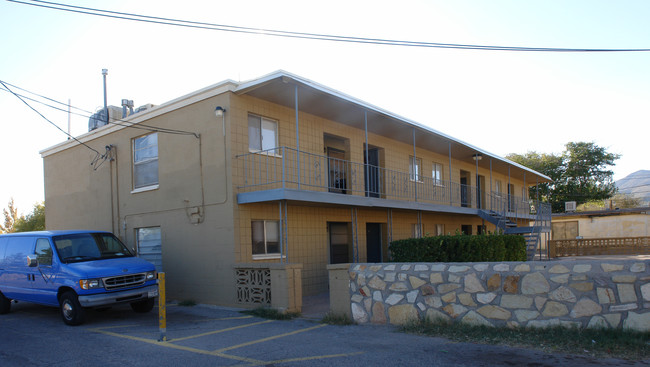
(275, 285)
(578, 293)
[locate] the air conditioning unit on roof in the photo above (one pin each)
(570, 206)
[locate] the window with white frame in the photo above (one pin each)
(149, 243)
(266, 238)
(145, 161)
(415, 169)
(436, 173)
(262, 133)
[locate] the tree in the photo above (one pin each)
(34, 221)
(579, 174)
(11, 216)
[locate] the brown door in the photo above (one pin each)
(339, 243)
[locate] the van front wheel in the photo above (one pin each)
(5, 304)
(71, 311)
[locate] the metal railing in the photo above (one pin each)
(285, 167)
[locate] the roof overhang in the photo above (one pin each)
(287, 89)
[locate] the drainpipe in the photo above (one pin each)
(297, 134)
(281, 232)
(451, 194)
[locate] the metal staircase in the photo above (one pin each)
(532, 234)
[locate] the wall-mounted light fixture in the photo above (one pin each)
(477, 157)
(221, 112)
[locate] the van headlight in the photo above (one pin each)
(90, 283)
(150, 275)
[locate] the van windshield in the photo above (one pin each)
(89, 246)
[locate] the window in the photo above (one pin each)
(415, 169)
(149, 242)
(524, 194)
(416, 230)
(145, 161)
(440, 229)
(43, 252)
(436, 173)
(266, 238)
(262, 133)
(497, 187)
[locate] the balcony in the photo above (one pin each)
(289, 169)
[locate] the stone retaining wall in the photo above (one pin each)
(582, 293)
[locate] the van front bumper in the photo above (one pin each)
(112, 298)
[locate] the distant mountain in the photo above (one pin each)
(636, 184)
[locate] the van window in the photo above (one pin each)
(89, 246)
(43, 251)
(17, 250)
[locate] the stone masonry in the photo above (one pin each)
(581, 293)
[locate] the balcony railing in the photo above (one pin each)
(285, 167)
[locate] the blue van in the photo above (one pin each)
(73, 270)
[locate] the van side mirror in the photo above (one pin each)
(31, 261)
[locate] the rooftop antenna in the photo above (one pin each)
(68, 118)
(104, 73)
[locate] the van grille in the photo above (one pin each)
(124, 281)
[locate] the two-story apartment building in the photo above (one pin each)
(223, 185)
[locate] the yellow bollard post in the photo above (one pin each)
(162, 308)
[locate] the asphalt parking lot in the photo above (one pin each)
(33, 335)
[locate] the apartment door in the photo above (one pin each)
(371, 173)
(464, 188)
(339, 243)
(511, 197)
(466, 229)
(373, 242)
(337, 172)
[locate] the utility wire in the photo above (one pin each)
(88, 114)
(299, 35)
(48, 120)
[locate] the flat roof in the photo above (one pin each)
(281, 87)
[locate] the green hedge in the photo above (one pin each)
(459, 248)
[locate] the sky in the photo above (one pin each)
(501, 101)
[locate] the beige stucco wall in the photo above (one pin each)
(193, 175)
(624, 225)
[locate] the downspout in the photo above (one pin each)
(281, 231)
(297, 134)
(451, 193)
(478, 192)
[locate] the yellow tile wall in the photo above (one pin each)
(308, 237)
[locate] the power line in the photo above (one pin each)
(298, 35)
(48, 120)
(118, 122)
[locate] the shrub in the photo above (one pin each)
(459, 248)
